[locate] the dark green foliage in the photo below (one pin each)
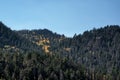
(33, 66)
(98, 50)
(12, 41)
(39, 35)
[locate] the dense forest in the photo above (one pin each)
(34, 66)
(44, 55)
(11, 40)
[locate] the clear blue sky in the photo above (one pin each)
(62, 16)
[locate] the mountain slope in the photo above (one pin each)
(98, 50)
(12, 40)
(42, 37)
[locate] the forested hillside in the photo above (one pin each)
(44, 38)
(98, 50)
(44, 55)
(34, 66)
(13, 42)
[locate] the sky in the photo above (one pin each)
(62, 16)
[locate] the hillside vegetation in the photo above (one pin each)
(44, 55)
